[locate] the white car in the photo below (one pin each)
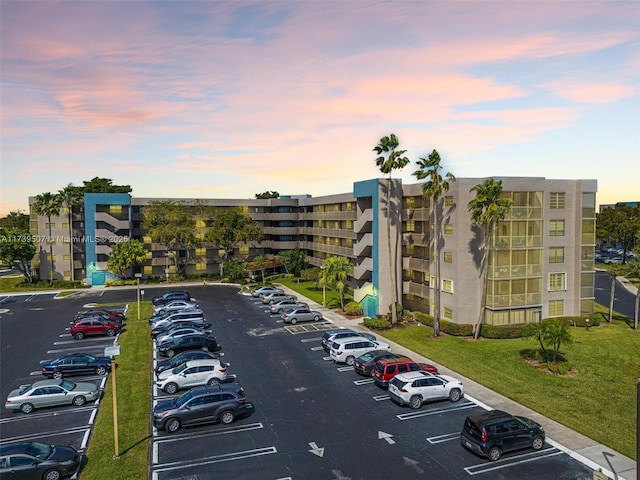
(181, 332)
(415, 388)
(191, 374)
(258, 292)
(276, 297)
(347, 349)
(295, 315)
(174, 305)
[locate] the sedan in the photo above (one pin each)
(76, 364)
(364, 363)
(95, 311)
(105, 317)
(174, 306)
(27, 460)
(189, 342)
(296, 315)
(47, 393)
(185, 357)
(180, 332)
(284, 305)
(166, 326)
(258, 292)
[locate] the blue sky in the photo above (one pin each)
(229, 99)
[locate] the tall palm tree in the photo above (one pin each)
(336, 271)
(433, 189)
(390, 159)
(487, 210)
(48, 204)
(70, 197)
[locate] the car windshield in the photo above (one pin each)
(39, 450)
(398, 383)
(24, 389)
(179, 368)
(184, 398)
(366, 357)
(88, 358)
(68, 385)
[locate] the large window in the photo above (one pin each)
(556, 308)
(556, 228)
(201, 252)
(448, 257)
(447, 285)
(557, 200)
(556, 255)
(448, 229)
(557, 282)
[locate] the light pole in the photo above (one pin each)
(166, 265)
(324, 286)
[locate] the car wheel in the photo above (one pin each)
(171, 388)
(350, 361)
(111, 332)
(494, 454)
(101, 371)
(454, 395)
(294, 321)
(227, 417)
(316, 318)
(415, 402)
(538, 442)
(57, 375)
(53, 474)
(213, 381)
(170, 353)
(26, 408)
(172, 425)
(79, 336)
(79, 401)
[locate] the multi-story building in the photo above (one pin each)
(540, 263)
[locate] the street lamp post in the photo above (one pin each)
(324, 286)
(166, 265)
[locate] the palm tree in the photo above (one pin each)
(49, 205)
(336, 270)
(433, 189)
(487, 210)
(390, 159)
(70, 197)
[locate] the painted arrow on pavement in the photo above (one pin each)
(387, 437)
(409, 462)
(315, 450)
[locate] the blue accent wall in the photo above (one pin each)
(371, 188)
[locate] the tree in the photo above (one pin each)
(550, 334)
(294, 261)
(104, 185)
(49, 205)
(388, 160)
(266, 195)
(124, 256)
(487, 209)
(620, 223)
(433, 189)
(261, 262)
(230, 228)
(335, 272)
(16, 220)
(17, 250)
(71, 197)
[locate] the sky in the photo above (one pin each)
(228, 99)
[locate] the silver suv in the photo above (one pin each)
(415, 388)
(192, 374)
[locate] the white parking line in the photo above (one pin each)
(326, 358)
(511, 461)
(365, 381)
(412, 415)
(213, 433)
(443, 438)
(225, 457)
(315, 349)
(380, 398)
(69, 431)
(46, 414)
(345, 369)
(314, 339)
(85, 439)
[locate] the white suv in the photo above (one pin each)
(191, 374)
(415, 388)
(346, 350)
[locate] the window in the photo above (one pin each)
(200, 236)
(448, 229)
(447, 285)
(410, 226)
(115, 209)
(410, 249)
(448, 201)
(447, 313)
(201, 224)
(50, 225)
(556, 201)
(448, 257)
(146, 239)
(556, 228)
(201, 252)
(557, 282)
(148, 255)
(201, 266)
(556, 308)
(65, 225)
(66, 257)
(556, 255)
(244, 250)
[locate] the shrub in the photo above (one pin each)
(376, 323)
(503, 331)
(353, 308)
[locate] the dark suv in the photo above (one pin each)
(200, 405)
(492, 433)
(170, 296)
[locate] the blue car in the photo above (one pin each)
(76, 364)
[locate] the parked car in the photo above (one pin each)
(190, 342)
(105, 317)
(332, 335)
(296, 315)
(276, 297)
(186, 314)
(285, 305)
(192, 374)
(490, 434)
(169, 296)
(174, 306)
(76, 364)
(365, 362)
(386, 369)
(36, 460)
(180, 332)
(206, 404)
(416, 388)
(183, 357)
(47, 393)
(609, 260)
(258, 292)
(94, 326)
(91, 311)
(346, 350)
(165, 326)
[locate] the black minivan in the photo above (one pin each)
(492, 433)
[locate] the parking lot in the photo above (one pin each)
(309, 418)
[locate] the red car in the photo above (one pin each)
(384, 370)
(94, 326)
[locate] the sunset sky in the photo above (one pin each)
(228, 99)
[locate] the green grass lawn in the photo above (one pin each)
(309, 290)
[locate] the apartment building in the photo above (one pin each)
(539, 265)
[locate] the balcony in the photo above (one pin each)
(417, 264)
(417, 289)
(416, 214)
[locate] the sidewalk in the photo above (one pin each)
(596, 456)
